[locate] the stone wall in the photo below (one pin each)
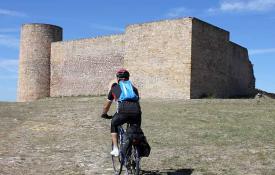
(85, 67)
(180, 58)
(220, 68)
(34, 60)
(158, 55)
(242, 75)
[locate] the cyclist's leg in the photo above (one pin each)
(117, 120)
(135, 119)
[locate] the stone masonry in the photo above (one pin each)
(161, 53)
(182, 58)
(85, 67)
(220, 68)
(34, 62)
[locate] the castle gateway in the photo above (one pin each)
(181, 58)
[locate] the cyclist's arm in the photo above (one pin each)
(106, 107)
(108, 102)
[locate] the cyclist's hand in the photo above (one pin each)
(106, 116)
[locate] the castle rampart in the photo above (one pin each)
(84, 67)
(181, 58)
(34, 60)
(221, 67)
(158, 55)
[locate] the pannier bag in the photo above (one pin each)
(137, 137)
(144, 148)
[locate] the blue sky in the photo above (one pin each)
(251, 23)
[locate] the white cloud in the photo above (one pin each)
(244, 6)
(5, 12)
(106, 27)
(177, 12)
(261, 51)
(9, 41)
(10, 65)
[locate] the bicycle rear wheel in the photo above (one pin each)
(133, 161)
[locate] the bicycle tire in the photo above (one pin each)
(133, 161)
(137, 160)
(117, 163)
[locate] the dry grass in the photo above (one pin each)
(66, 136)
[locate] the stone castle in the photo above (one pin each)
(181, 58)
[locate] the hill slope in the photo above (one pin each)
(67, 136)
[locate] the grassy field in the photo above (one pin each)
(210, 136)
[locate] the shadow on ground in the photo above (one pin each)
(168, 172)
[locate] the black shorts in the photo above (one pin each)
(120, 119)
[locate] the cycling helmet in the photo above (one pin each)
(123, 74)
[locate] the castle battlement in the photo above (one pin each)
(180, 58)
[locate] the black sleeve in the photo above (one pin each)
(111, 92)
(110, 96)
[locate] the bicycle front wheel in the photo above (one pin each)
(117, 162)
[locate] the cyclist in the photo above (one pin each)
(128, 108)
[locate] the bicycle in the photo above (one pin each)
(130, 159)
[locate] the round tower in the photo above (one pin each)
(34, 60)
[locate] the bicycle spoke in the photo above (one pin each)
(133, 161)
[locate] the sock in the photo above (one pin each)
(115, 147)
